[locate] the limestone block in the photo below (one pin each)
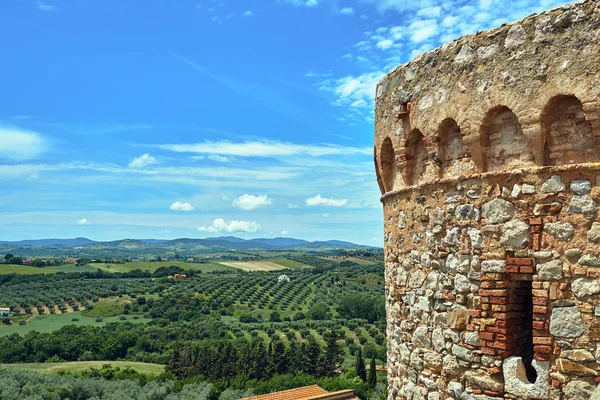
(578, 390)
(498, 211)
(517, 384)
(516, 36)
(566, 322)
(515, 234)
(585, 287)
(581, 186)
(593, 234)
(553, 185)
(550, 271)
(561, 230)
(583, 204)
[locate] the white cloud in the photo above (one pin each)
(423, 29)
(347, 11)
(350, 89)
(179, 206)
(384, 44)
(485, 4)
(284, 233)
(293, 206)
(248, 13)
(83, 221)
(318, 200)
(430, 12)
(250, 202)
(19, 144)
(45, 7)
(303, 3)
(220, 225)
(216, 19)
(218, 158)
(271, 148)
(143, 161)
(326, 215)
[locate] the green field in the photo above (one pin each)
(78, 366)
(291, 264)
(106, 308)
(51, 323)
(154, 265)
(27, 270)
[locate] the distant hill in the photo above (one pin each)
(145, 247)
(80, 241)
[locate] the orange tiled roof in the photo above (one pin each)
(312, 392)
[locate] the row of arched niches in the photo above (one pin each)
(566, 136)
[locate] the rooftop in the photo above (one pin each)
(312, 392)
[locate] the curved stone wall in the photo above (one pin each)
(487, 152)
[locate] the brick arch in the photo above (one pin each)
(567, 134)
(416, 157)
(503, 144)
(451, 147)
(377, 172)
(387, 165)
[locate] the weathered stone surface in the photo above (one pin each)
(561, 230)
(496, 266)
(483, 381)
(566, 322)
(593, 234)
(450, 365)
(517, 384)
(578, 390)
(583, 204)
(528, 189)
(462, 284)
(416, 279)
(569, 367)
(516, 37)
(553, 185)
(472, 338)
(467, 212)
(515, 234)
(589, 260)
(585, 287)
(578, 355)
(581, 186)
(550, 271)
(463, 353)
(498, 211)
(421, 337)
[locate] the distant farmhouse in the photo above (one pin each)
(4, 312)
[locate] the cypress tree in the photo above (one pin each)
(334, 354)
(372, 373)
(361, 370)
(280, 364)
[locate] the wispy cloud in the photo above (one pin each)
(180, 206)
(219, 225)
(266, 148)
(248, 13)
(302, 3)
(318, 200)
(250, 202)
(143, 161)
(83, 221)
(18, 144)
(45, 7)
(347, 11)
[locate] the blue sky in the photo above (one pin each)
(166, 119)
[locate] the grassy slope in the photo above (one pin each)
(153, 266)
(291, 264)
(51, 323)
(77, 366)
(27, 270)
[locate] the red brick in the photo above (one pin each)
(540, 309)
(499, 300)
(486, 336)
(526, 270)
(540, 301)
(542, 349)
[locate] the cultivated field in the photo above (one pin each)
(339, 259)
(153, 266)
(51, 323)
(291, 264)
(27, 270)
(250, 266)
(78, 366)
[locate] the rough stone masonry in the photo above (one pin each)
(487, 152)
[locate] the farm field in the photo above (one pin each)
(357, 260)
(51, 323)
(251, 266)
(28, 270)
(78, 366)
(291, 264)
(154, 265)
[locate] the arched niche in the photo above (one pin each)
(503, 142)
(386, 159)
(377, 172)
(416, 157)
(451, 147)
(567, 135)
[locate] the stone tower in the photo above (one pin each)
(487, 152)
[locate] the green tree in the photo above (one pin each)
(8, 256)
(372, 380)
(318, 311)
(15, 260)
(280, 364)
(361, 370)
(334, 354)
(275, 317)
(313, 356)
